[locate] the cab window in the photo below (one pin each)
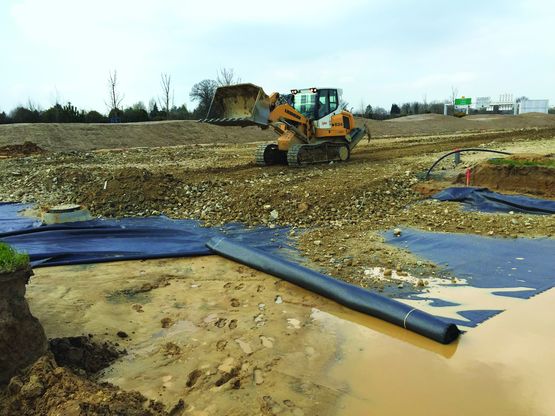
(323, 103)
(327, 102)
(304, 103)
(333, 100)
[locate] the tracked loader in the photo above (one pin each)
(312, 124)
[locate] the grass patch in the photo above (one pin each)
(11, 260)
(522, 163)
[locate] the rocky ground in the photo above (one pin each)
(337, 214)
(336, 211)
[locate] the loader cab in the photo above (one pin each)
(316, 103)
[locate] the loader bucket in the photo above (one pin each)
(239, 105)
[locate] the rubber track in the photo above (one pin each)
(259, 155)
(293, 159)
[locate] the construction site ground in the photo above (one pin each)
(229, 340)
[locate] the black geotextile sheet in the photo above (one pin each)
(515, 267)
(484, 200)
(101, 240)
(12, 220)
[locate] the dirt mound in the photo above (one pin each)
(423, 117)
(17, 150)
(22, 338)
(531, 159)
(46, 389)
(81, 353)
(129, 189)
(77, 136)
(529, 174)
(483, 116)
(432, 124)
(536, 116)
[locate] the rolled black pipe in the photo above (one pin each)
(353, 297)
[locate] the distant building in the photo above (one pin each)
(482, 103)
(532, 106)
(505, 103)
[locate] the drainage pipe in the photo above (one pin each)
(463, 150)
(353, 297)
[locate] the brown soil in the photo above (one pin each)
(127, 188)
(18, 150)
(428, 124)
(22, 338)
(47, 389)
(431, 187)
(60, 382)
(520, 178)
(61, 137)
(81, 353)
(244, 343)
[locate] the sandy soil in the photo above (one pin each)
(229, 340)
(222, 337)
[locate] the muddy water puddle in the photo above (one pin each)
(231, 340)
(505, 366)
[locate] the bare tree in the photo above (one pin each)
(454, 93)
(167, 93)
(57, 99)
(425, 107)
(115, 97)
(362, 108)
(31, 105)
(226, 76)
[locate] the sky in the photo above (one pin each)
(378, 52)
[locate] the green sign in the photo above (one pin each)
(463, 101)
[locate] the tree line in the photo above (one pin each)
(158, 109)
(163, 107)
(68, 113)
(400, 110)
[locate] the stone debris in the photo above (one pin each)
(267, 342)
(258, 377)
(245, 346)
(293, 323)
